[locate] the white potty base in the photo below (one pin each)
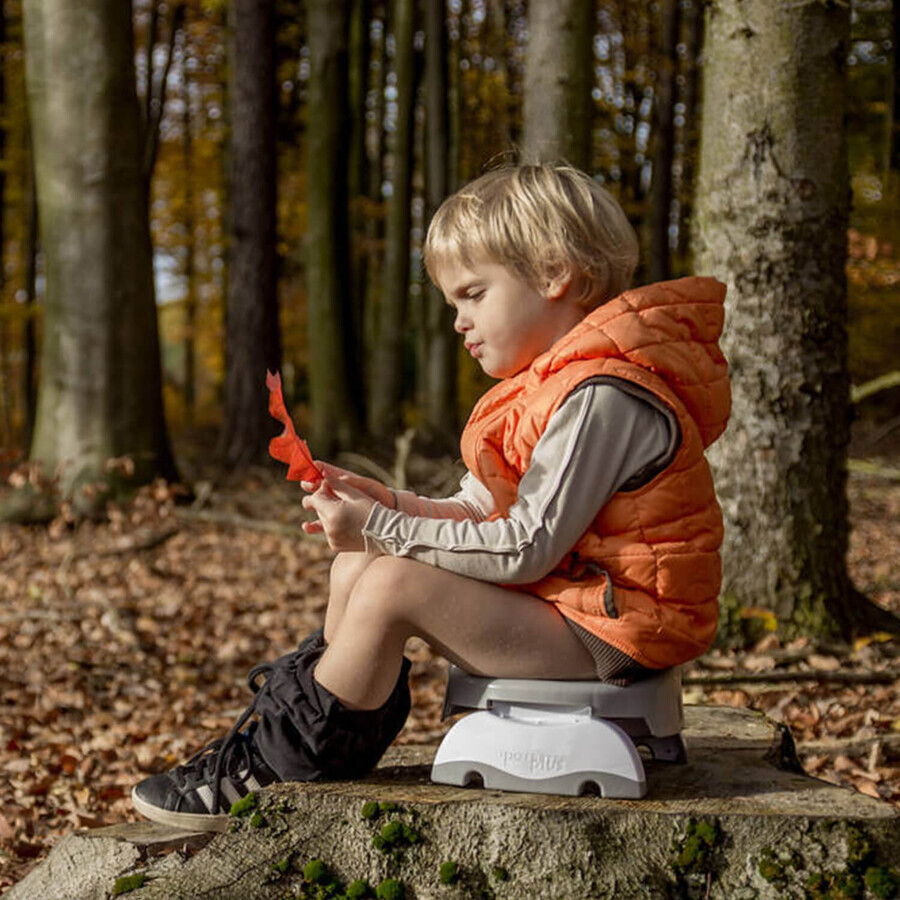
(559, 737)
(559, 753)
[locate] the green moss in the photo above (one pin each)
(390, 889)
(244, 806)
(694, 853)
(128, 883)
(770, 868)
(840, 886)
(498, 873)
(370, 810)
(388, 807)
(282, 865)
(257, 820)
(859, 850)
(449, 872)
(357, 890)
(395, 835)
(316, 872)
(883, 883)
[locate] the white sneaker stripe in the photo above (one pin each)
(229, 790)
(204, 792)
(252, 783)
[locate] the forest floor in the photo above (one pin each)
(124, 647)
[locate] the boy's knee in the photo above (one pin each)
(346, 569)
(383, 588)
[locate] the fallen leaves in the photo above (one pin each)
(124, 647)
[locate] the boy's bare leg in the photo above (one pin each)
(345, 571)
(483, 628)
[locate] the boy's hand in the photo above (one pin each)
(342, 511)
(338, 476)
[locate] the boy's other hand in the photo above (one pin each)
(342, 510)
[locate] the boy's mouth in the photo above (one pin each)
(474, 347)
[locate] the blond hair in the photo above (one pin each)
(538, 220)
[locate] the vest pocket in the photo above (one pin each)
(608, 599)
(581, 570)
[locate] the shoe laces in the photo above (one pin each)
(231, 753)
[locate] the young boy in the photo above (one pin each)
(584, 540)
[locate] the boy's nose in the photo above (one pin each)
(460, 324)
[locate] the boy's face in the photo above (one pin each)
(505, 321)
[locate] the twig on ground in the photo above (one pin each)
(234, 520)
(793, 675)
(853, 746)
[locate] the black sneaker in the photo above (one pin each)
(198, 795)
(300, 732)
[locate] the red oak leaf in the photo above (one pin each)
(289, 447)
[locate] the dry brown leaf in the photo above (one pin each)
(823, 663)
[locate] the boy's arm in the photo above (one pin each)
(599, 439)
(472, 501)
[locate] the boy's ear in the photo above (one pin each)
(558, 283)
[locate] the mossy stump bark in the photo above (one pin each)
(738, 822)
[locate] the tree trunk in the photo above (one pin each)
(334, 395)
(771, 222)
(189, 338)
(894, 150)
(100, 389)
(386, 375)
(30, 253)
(664, 142)
(357, 163)
(6, 390)
(439, 374)
(252, 338)
(690, 140)
(559, 75)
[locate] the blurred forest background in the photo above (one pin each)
(645, 125)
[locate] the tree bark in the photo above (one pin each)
(559, 73)
(252, 338)
(100, 389)
(357, 163)
(894, 149)
(439, 375)
(6, 396)
(29, 254)
(664, 142)
(771, 222)
(690, 131)
(189, 337)
(335, 398)
(386, 375)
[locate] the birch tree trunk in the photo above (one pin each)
(335, 398)
(771, 222)
(559, 74)
(252, 340)
(100, 387)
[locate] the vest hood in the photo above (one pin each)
(670, 329)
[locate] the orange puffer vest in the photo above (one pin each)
(645, 576)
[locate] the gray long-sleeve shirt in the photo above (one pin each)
(603, 437)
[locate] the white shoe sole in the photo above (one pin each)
(182, 821)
